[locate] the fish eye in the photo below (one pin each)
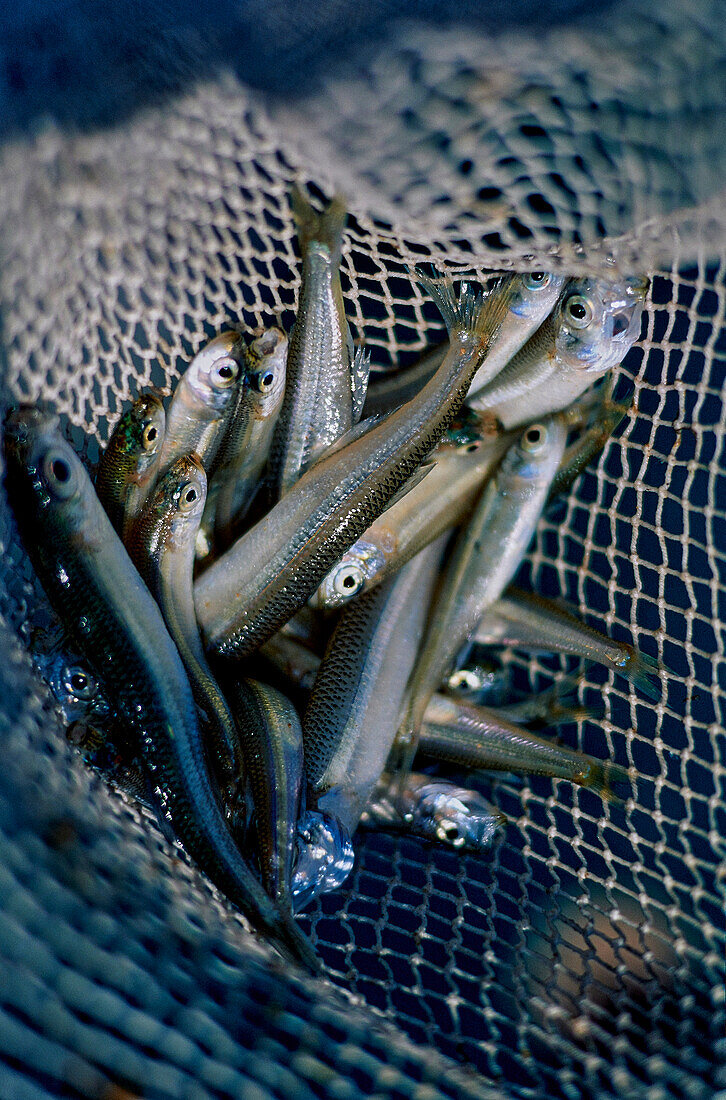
(464, 680)
(265, 381)
(469, 448)
(448, 831)
(188, 497)
(578, 311)
(150, 437)
(78, 682)
(223, 372)
(536, 280)
(534, 438)
(58, 474)
(620, 323)
(348, 581)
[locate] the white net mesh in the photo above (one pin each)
(586, 953)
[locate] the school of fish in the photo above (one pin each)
(274, 594)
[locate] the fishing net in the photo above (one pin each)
(144, 175)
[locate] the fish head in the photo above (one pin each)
(624, 301)
(212, 377)
(181, 495)
(350, 577)
(74, 686)
(140, 431)
(53, 479)
(266, 367)
(597, 322)
(534, 457)
(534, 292)
(456, 816)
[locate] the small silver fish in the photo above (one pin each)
(75, 688)
(246, 443)
(326, 382)
(593, 326)
(351, 718)
(268, 574)
(161, 546)
(201, 400)
(130, 462)
(435, 810)
(534, 295)
(486, 556)
(477, 737)
(527, 621)
(104, 604)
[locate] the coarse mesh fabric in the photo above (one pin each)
(144, 175)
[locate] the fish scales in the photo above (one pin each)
(162, 548)
(95, 588)
(244, 597)
(487, 553)
(352, 715)
(130, 463)
(318, 404)
(437, 504)
(476, 737)
(272, 743)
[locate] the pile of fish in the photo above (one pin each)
(275, 595)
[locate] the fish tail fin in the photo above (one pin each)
(561, 712)
(564, 706)
(643, 671)
(441, 289)
(611, 781)
(488, 316)
(325, 227)
(474, 311)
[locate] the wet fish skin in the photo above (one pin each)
(130, 463)
(473, 736)
(292, 659)
(352, 715)
(485, 558)
(200, 402)
(248, 437)
(266, 576)
(437, 504)
(272, 743)
(534, 295)
(592, 327)
(318, 403)
(94, 587)
(434, 809)
(162, 545)
(531, 622)
(588, 446)
(397, 387)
